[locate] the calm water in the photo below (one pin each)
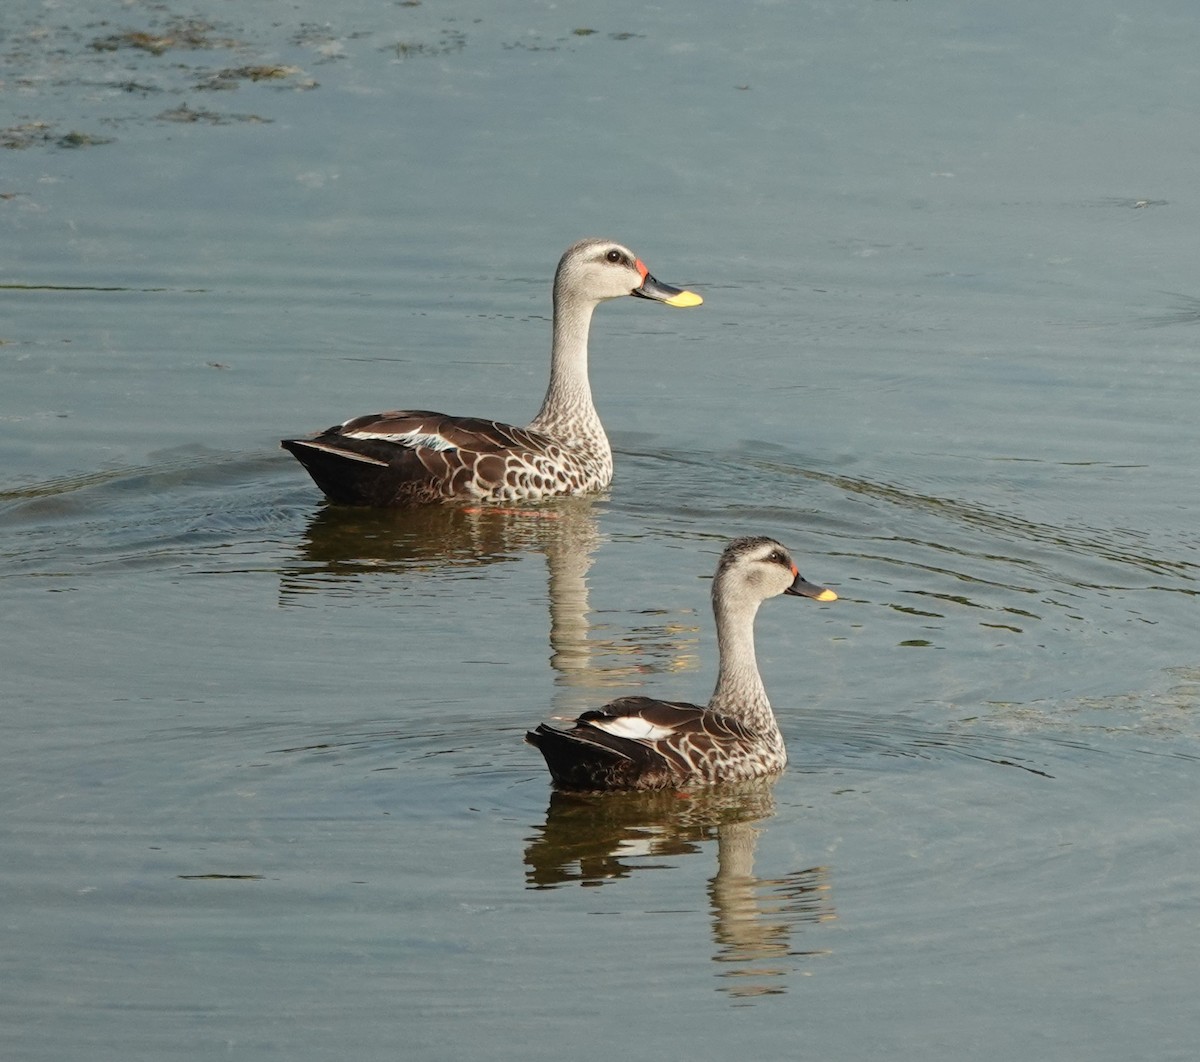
(263, 782)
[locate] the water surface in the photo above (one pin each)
(263, 775)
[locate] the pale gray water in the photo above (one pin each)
(263, 785)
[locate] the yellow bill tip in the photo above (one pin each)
(826, 595)
(684, 298)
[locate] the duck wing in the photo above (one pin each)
(665, 722)
(415, 456)
(640, 743)
(422, 429)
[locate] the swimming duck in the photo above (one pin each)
(642, 743)
(414, 456)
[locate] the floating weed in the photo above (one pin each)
(184, 113)
(76, 139)
(231, 77)
(450, 41)
(19, 137)
(188, 34)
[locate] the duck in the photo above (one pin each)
(413, 457)
(639, 743)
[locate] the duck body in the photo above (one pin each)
(415, 457)
(419, 457)
(643, 743)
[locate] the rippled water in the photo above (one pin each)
(264, 785)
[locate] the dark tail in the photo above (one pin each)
(344, 477)
(586, 758)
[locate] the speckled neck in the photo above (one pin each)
(739, 692)
(567, 411)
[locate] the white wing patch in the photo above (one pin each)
(349, 455)
(633, 727)
(414, 439)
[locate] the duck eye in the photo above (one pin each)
(613, 256)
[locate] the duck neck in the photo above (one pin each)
(567, 411)
(739, 691)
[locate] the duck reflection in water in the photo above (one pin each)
(594, 839)
(353, 553)
(344, 546)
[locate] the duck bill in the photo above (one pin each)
(660, 292)
(801, 587)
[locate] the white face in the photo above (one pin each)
(600, 270)
(757, 573)
(770, 570)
